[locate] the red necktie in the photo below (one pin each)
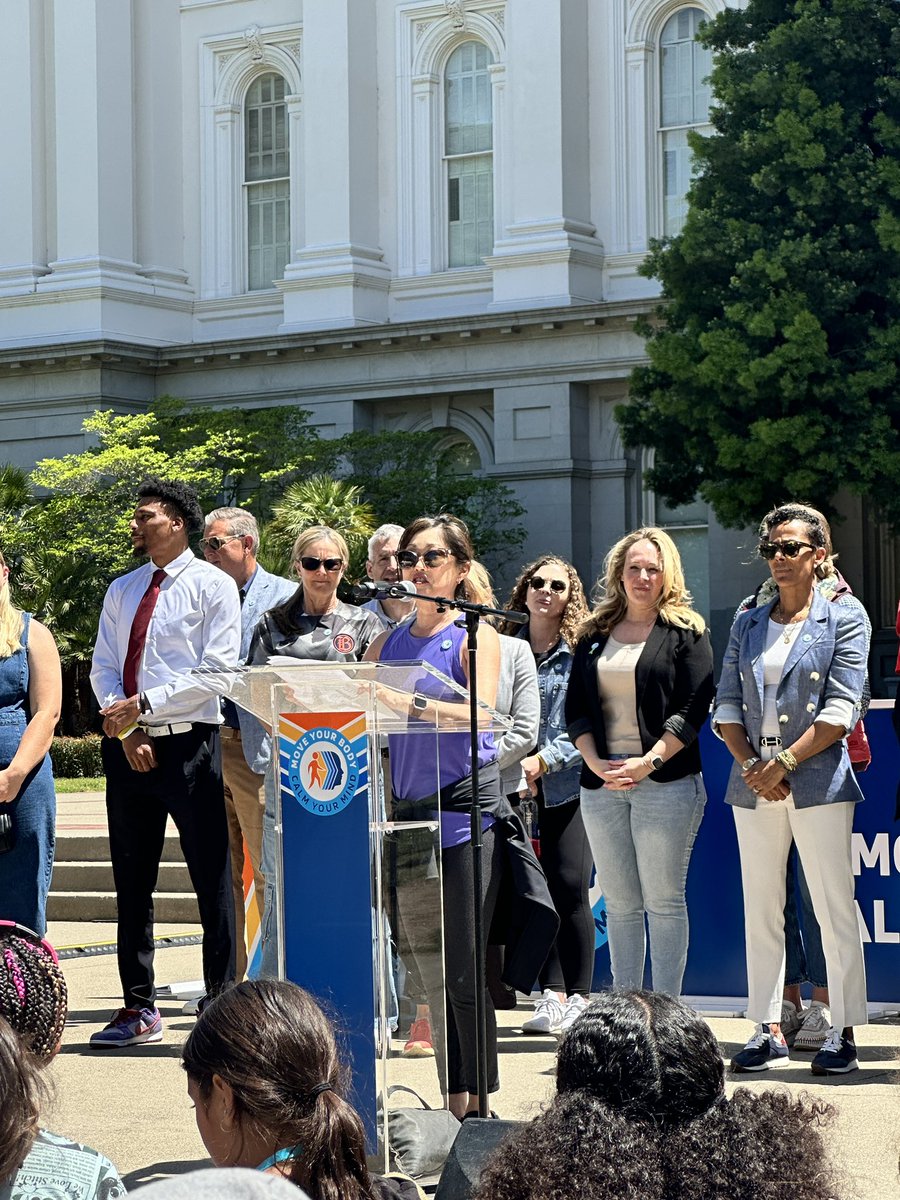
(138, 634)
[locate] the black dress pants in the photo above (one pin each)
(186, 784)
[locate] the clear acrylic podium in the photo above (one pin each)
(358, 890)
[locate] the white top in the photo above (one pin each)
(196, 623)
(615, 682)
(774, 657)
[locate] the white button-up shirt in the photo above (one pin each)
(196, 623)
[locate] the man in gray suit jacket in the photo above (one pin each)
(230, 542)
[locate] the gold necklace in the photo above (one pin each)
(791, 624)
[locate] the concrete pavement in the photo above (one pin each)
(132, 1104)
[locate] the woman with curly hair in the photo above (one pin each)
(550, 591)
(641, 1114)
(639, 692)
(269, 1092)
(33, 1008)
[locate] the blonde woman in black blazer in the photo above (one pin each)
(639, 692)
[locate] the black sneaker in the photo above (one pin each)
(837, 1056)
(764, 1050)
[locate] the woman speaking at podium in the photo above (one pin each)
(436, 555)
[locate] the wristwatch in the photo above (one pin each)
(749, 762)
(656, 762)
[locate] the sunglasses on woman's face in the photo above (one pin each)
(538, 582)
(789, 549)
(12, 928)
(407, 559)
(308, 563)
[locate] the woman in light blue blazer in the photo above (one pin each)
(789, 693)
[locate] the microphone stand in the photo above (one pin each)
(473, 615)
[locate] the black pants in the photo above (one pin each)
(566, 859)
(186, 784)
(417, 892)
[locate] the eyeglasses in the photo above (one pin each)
(789, 549)
(407, 559)
(216, 543)
(28, 935)
(537, 582)
(308, 563)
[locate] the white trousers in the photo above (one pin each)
(822, 836)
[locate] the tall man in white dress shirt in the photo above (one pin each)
(230, 542)
(161, 753)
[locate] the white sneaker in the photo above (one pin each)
(575, 1006)
(815, 1025)
(548, 1014)
(791, 1020)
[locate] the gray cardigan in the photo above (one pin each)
(517, 697)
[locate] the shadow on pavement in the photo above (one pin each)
(163, 1170)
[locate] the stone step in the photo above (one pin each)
(101, 906)
(94, 847)
(71, 876)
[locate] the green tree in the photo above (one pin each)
(321, 500)
(773, 361)
(403, 475)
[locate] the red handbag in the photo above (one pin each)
(858, 747)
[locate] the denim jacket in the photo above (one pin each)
(561, 780)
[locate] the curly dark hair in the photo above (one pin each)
(276, 1049)
(576, 605)
(178, 499)
(641, 1114)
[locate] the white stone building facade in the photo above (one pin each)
(397, 213)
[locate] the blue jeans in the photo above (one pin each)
(804, 956)
(641, 841)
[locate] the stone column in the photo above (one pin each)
(549, 253)
(339, 277)
(23, 201)
(94, 141)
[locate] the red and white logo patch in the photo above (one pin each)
(344, 643)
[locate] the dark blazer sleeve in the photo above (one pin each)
(693, 689)
(579, 710)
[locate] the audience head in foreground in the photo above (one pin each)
(641, 1114)
(268, 1088)
(33, 1009)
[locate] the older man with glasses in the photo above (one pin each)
(231, 542)
(381, 567)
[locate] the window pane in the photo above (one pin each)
(467, 100)
(266, 129)
(676, 179)
(268, 233)
(470, 189)
(684, 64)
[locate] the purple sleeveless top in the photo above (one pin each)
(414, 758)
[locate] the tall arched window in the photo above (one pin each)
(684, 105)
(468, 153)
(266, 181)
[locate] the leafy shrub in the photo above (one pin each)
(76, 757)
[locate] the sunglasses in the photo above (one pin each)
(216, 543)
(431, 558)
(308, 563)
(789, 549)
(537, 582)
(28, 935)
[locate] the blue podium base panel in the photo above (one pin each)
(326, 873)
(716, 963)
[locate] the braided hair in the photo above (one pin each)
(33, 995)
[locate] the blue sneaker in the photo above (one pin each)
(837, 1056)
(764, 1050)
(130, 1027)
